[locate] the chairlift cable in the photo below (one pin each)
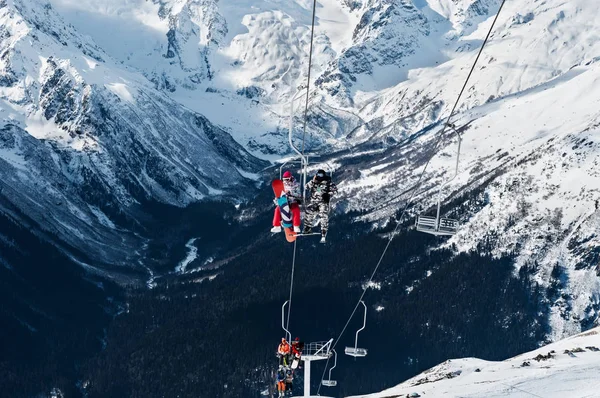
(303, 162)
(312, 34)
(287, 323)
(416, 187)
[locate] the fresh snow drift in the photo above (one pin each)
(567, 368)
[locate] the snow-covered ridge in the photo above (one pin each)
(528, 175)
(83, 138)
(567, 368)
(165, 109)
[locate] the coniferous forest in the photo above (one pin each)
(214, 332)
(192, 336)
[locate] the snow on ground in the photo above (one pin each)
(519, 56)
(539, 146)
(532, 100)
(216, 49)
(192, 254)
(568, 368)
(543, 205)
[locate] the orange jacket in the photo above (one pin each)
(284, 348)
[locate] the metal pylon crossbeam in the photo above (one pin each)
(317, 350)
(314, 352)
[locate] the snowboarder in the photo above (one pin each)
(289, 382)
(296, 352)
(292, 190)
(283, 352)
(281, 382)
(321, 190)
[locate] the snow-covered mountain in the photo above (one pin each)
(567, 368)
(86, 141)
(111, 109)
(170, 112)
(528, 181)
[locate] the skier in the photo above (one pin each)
(281, 382)
(289, 382)
(321, 189)
(283, 352)
(292, 190)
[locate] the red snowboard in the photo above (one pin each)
(284, 208)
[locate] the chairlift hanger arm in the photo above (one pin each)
(291, 128)
(358, 352)
(329, 382)
(288, 335)
(445, 184)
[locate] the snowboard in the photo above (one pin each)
(295, 362)
(284, 209)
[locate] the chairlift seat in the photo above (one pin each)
(356, 352)
(329, 383)
(446, 226)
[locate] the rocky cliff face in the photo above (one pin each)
(113, 123)
(85, 142)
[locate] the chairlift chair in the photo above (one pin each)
(437, 226)
(355, 351)
(441, 226)
(329, 382)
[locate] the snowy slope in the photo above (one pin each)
(528, 182)
(567, 368)
(116, 114)
(236, 62)
(381, 68)
(84, 141)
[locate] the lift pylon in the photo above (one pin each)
(436, 225)
(314, 352)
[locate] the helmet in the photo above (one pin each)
(321, 174)
(287, 175)
(297, 339)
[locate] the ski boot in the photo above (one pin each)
(323, 236)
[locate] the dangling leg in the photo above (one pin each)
(324, 215)
(309, 219)
(276, 221)
(295, 208)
